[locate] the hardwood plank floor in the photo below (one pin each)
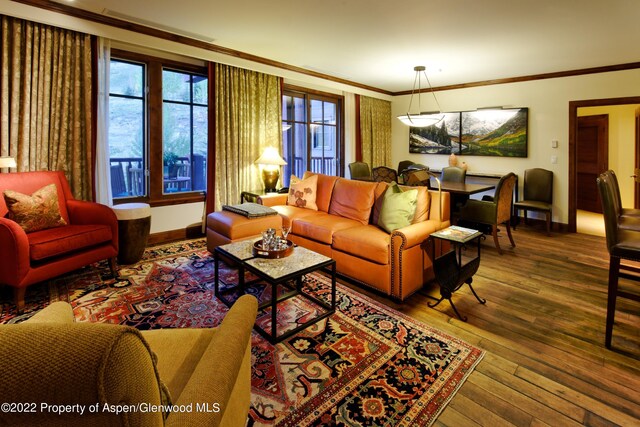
(543, 330)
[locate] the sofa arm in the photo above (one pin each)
(58, 312)
(214, 377)
(415, 234)
(273, 199)
(14, 246)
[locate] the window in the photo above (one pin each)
(312, 133)
(127, 124)
(184, 131)
(158, 129)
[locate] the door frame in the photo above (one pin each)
(573, 131)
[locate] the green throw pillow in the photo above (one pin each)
(398, 208)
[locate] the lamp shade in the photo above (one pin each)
(421, 120)
(270, 156)
(7, 162)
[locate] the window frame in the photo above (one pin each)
(309, 95)
(153, 128)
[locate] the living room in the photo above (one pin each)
(553, 100)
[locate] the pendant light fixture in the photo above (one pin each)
(421, 119)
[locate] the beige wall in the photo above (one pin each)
(621, 144)
(548, 103)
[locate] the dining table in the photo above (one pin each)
(464, 189)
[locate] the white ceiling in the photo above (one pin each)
(378, 42)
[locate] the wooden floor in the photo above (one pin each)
(543, 331)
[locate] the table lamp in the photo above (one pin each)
(7, 162)
(270, 161)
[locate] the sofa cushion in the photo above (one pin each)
(366, 241)
(303, 193)
(62, 240)
(398, 208)
(322, 226)
(325, 189)
(352, 199)
(289, 213)
(37, 211)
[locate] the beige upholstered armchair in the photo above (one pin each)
(92, 371)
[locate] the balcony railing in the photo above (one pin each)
(128, 177)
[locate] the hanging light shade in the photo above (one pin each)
(421, 119)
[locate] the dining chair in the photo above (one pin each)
(453, 174)
(384, 174)
(494, 212)
(359, 170)
(404, 164)
(622, 244)
(538, 194)
(628, 217)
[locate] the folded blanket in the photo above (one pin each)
(250, 210)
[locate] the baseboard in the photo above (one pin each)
(541, 223)
(190, 232)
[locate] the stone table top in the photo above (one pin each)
(300, 259)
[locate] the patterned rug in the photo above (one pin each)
(365, 365)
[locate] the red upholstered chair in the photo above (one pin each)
(91, 235)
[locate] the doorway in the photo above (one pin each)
(592, 158)
(573, 149)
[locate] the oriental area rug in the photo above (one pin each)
(367, 364)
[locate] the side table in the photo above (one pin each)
(134, 224)
(450, 272)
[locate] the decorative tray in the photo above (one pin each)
(272, 253)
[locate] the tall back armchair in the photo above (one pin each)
(87, 233)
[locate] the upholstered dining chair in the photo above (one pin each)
(360, 171)
(622, 244)
(453, 174)
(538, 194)
(384, 174)
(494, 212)
(403, 165)
(627, 217)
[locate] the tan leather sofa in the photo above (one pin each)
(396, 264)
(51, 368)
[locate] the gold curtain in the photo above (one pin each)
(248, 118)
(45, 112)
(375, 131)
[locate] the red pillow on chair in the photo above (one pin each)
(36, 212)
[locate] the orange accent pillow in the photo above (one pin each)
(303, 193)
(38, 211)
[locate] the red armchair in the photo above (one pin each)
(91, 235)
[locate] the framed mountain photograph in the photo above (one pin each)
(495, 132)
(441, 138)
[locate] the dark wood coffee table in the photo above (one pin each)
(283, 272)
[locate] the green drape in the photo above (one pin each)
(45, 112)
(375, 131)
(248, 118)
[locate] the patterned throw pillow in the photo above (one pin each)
(37, 211)
(302, 193)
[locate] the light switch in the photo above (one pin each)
(554, 143)
(554, 159)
